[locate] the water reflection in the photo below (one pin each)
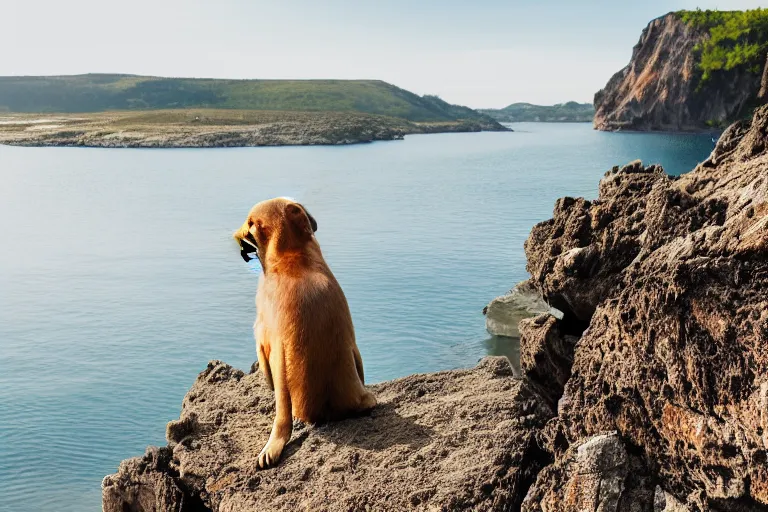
(508, 347)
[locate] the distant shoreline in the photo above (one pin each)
(210, 128)
(570, 112)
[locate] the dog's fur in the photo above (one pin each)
(305, 340)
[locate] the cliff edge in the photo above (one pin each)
(454, 440)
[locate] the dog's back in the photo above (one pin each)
(317, 334)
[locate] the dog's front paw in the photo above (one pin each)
(270, 454)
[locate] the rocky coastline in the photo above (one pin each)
(210, 129)
(647, 391)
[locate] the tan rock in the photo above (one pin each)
(454, 440)
(504, 313)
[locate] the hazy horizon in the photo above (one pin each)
(486, 55)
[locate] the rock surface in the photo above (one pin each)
(595, 475)
(672, 275)
(665, 502)
(660, 88)
(454, 440)
(575, 258)
(546, 354)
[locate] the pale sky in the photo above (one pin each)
(481, 53)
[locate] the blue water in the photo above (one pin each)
(119, 279)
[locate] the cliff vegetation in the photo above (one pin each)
(735, 39)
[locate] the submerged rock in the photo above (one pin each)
(504, 313)
(453, 440)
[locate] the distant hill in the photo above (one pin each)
(105, 92)
(570, 112)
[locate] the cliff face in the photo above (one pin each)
(671, 276)
(659, 88)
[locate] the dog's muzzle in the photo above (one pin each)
(248, 250)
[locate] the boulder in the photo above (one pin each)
(503, 314)
(595, 475)
(575, 259)
(143, 484)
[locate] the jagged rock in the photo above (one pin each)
(546, 355)
(575, 258)
(453, 440)
(503, 314)
(660, 88)
(665, 502)
(675, 358)
(671, 277)
(596, 475)
(144, 484)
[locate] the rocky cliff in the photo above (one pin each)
(671, 277)
(662, 88)
(648, 393)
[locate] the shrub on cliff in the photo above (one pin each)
(736, 39)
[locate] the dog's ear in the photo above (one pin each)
(312, 221)
(300, 219)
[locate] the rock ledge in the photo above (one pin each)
(453, 440)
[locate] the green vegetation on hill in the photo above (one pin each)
(570, 112)
(736, 39)
(102, 92)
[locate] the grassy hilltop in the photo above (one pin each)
(141, 111)
(100, 92)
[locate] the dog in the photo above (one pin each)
(305, 340)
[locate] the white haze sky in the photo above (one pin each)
(480, 53)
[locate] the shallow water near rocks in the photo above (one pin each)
(119, 279)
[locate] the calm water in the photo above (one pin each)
(119, 279)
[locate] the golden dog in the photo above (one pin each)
(305, 340)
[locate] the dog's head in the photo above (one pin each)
(279, 224)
